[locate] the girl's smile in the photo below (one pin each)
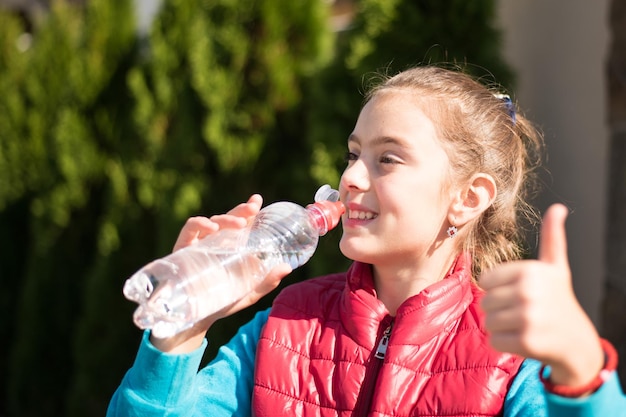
(357, 214)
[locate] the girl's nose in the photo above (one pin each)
(355, 176)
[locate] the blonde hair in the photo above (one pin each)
(483, 133)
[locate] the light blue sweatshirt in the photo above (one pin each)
(160, 384)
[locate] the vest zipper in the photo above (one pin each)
(373, 368)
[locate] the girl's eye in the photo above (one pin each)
(350, 156)
(387, 160)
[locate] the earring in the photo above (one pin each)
(452, 231)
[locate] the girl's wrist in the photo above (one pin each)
(176, 345)
(185, 341)
(610, 365)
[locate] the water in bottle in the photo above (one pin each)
(190, 284)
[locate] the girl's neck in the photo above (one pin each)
(394, 284)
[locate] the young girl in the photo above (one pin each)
(436, 315)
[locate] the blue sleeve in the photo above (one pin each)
(608, 400)
(161, 384)
(527, 397)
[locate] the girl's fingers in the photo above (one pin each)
(198, 227)
(553, 239)
(249, 208)
(269, 283)
(195, 228)
(228, 221)
(500, 298)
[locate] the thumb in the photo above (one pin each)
(553, 240)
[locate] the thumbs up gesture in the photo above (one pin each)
(531, 309)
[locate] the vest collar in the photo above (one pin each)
(434, 310)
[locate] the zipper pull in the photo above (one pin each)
(382, 345)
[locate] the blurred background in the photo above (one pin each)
(119, 119)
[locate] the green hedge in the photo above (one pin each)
(109, 140)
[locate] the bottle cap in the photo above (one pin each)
(328, 214)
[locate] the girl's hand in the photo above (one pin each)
(531, 309)
(195, 229)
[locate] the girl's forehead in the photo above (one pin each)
(402, 103)
(414, 101)
(397, 117)
(411, 98)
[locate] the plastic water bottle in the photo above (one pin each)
(192, 283)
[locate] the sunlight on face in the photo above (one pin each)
(394, 185)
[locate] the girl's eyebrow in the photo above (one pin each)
(381, 140)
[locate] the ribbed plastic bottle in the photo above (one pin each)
(192, 283)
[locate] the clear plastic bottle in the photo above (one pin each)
(192, 283)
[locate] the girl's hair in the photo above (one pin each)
(481, 132)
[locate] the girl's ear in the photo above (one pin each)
(473, 200)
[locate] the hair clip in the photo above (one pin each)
(509, 104)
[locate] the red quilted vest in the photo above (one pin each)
(317, 352)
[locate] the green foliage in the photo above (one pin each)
(109, 141)
(405, 34)
(51, 163)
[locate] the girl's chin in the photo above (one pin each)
(352, 251)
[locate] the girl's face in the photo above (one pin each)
(395, 184)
